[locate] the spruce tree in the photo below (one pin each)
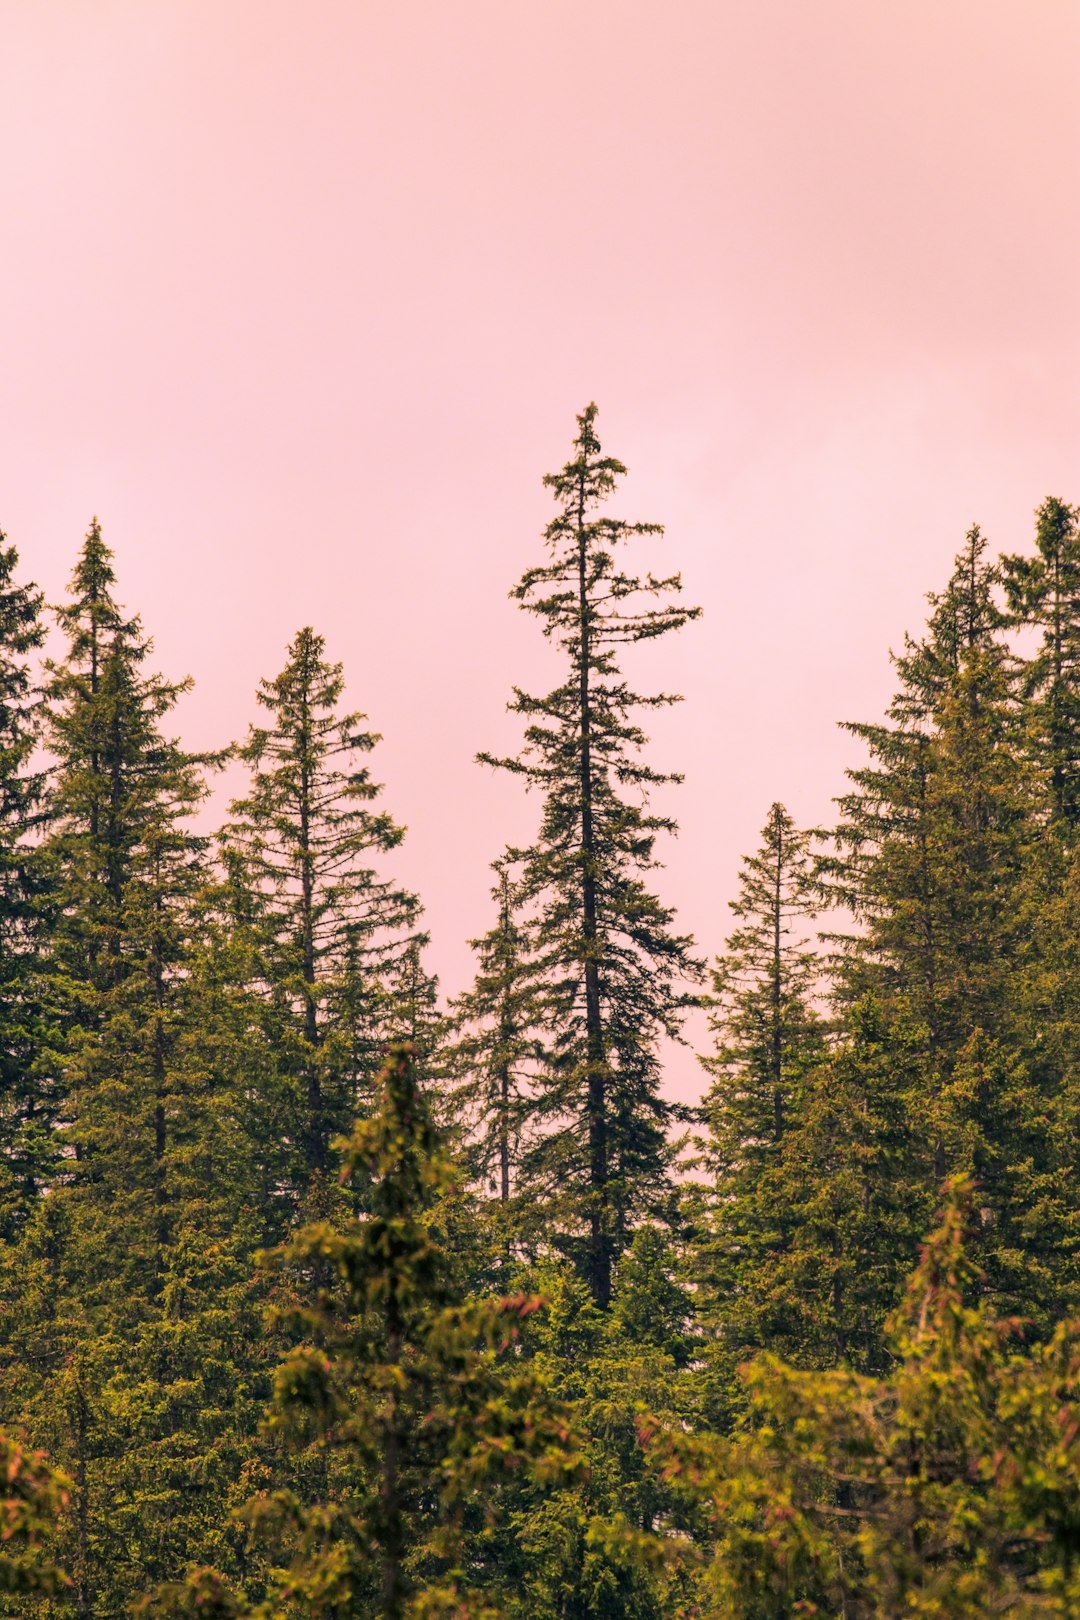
(947, 1486)
(327, 929)
(415, 1397)
(498, 1046)
(125, 865)
(768, 1040)
(612, 967)
(763, 988)
(1044, 593)
(127, 1299)
(30, 1096)
(938, 829)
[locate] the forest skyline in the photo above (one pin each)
(822, 324)
(539, 810)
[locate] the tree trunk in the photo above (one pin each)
(599, 1243)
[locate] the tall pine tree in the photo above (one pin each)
(612, 966)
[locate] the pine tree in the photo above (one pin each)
(30, 1099)
(413, 1394)
(763, 988)
(938, 830)
(498, 1048)
(328, 929)
(769, 1039)
(1044, 593)
(855, 1195)
(948, 1486)
(124, 864)
(121, 1347)
(611, 964)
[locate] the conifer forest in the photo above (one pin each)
(326, 1297)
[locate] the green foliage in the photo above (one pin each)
(950, 1487)
(768, 1041)
(326, 931)
(498, 1051)
(552, 1376)
(30, 1099)
(409, 1402)
(1044, 593)
(606, 959)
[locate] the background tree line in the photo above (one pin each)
(323, 1298)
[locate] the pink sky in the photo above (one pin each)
(302, 300)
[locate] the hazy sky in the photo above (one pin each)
(302, 299)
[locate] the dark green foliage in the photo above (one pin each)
(938, 827)
(327, 931)
(949, 1488)
(411, 1399)
(498, 1050)
(612, 968)
(1044, 593)
(768, 1041)
(124, 866)
(552, 1375)
(30, 1098)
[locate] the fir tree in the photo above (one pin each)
(950, 1486)
(498, 1048)
(124, 864)
(328, 929)
(938, 830)
(768, 1040)
(1044, 592)
(611, 964)
(763, 988)
(118, 1347)
(411, 1391)
(30, 1097)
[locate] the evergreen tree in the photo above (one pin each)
(938, 831)
(122, 1300)
(498, 1047)
(410, 1010)
(609, 960)
(124, 865)
(763, 987)
(950, 1486)
(1044, 593)
(768, 1040)
(413, 1392)
(30, 1098)
(854, 1195)
(327, 928)
(34, 1497)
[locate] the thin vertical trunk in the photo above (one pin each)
(504, 1132)
(1056, 721)
(506, 1033)
(599, 1245)
(777, 986)
(158, 1061)
(316, 1128)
